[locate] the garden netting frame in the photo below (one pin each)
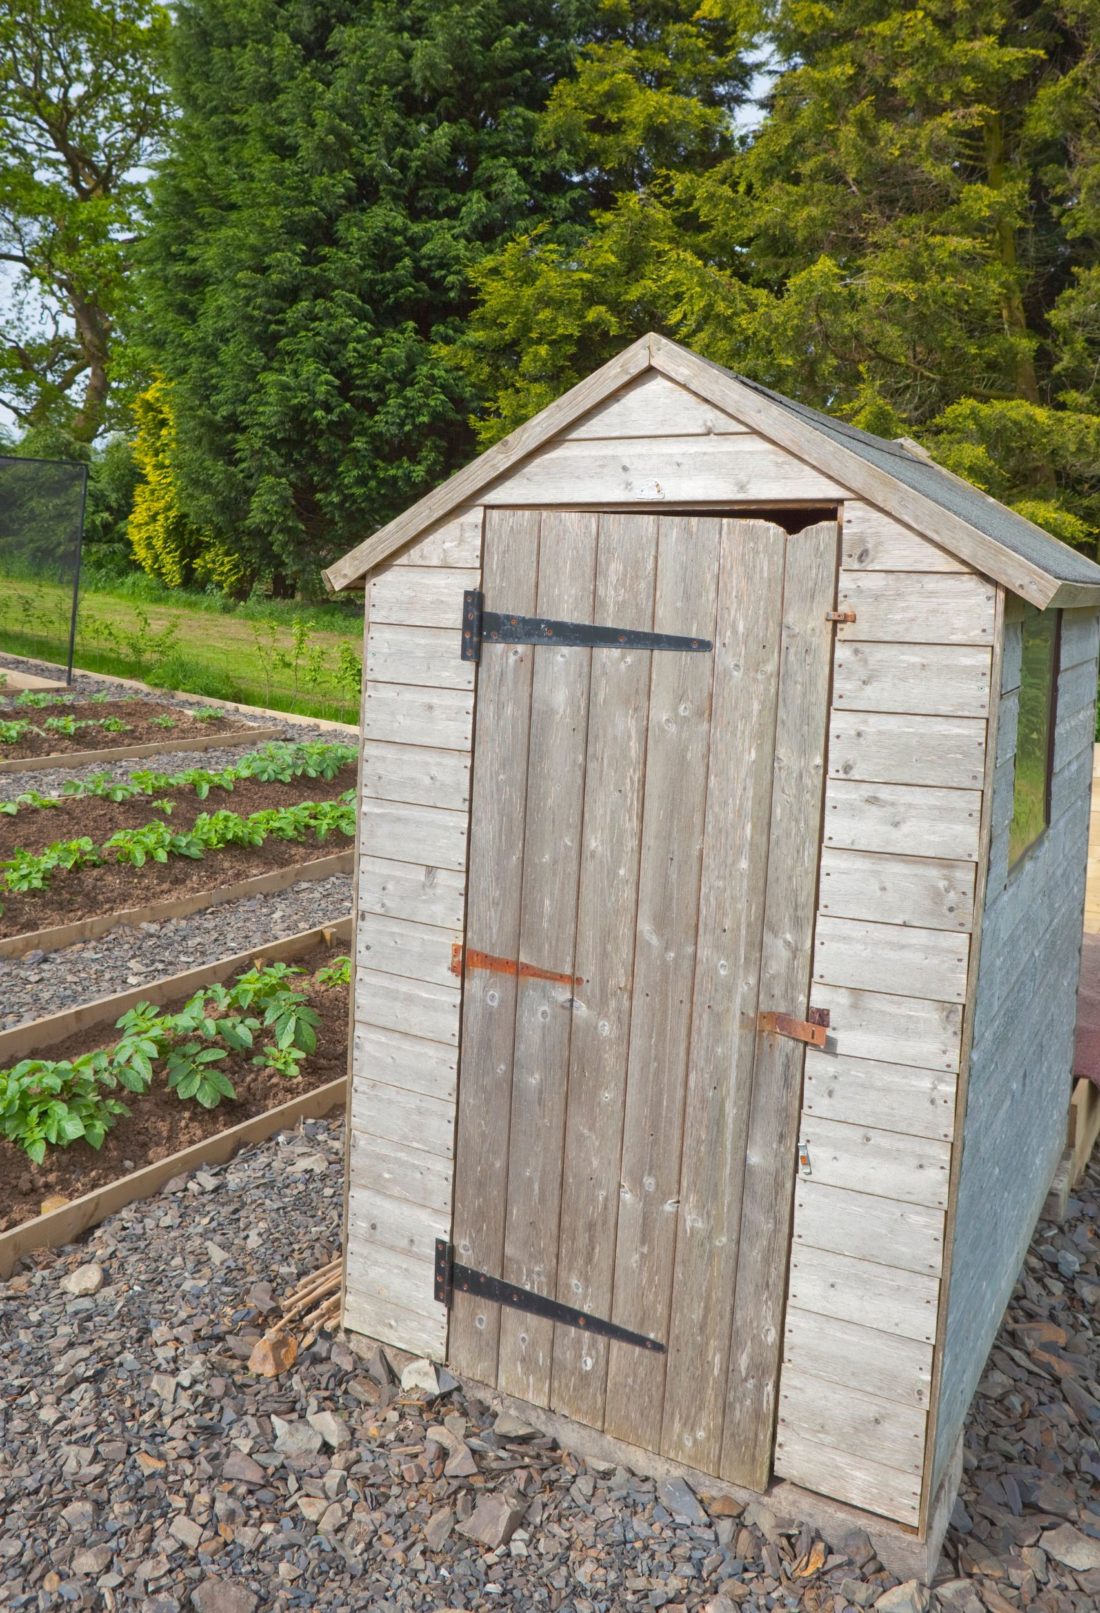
(42, 509)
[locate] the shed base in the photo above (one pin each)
(899, 1548)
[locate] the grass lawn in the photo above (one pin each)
(291, 658)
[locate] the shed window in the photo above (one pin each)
(1035, 733)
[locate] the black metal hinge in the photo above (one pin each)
(449, 1275)
(496, 627)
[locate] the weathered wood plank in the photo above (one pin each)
(856, 1479)
(1080, 637)
(899, 748)
(870, 1161)
(547, 938)
(913, 820)
(676, 470)
(895, 1097)
(851, 1420)
(862, 1291)
(396, 1279)
(785, 977)
(409, 1229)
(412, 1118)
(934, 893)
(856, 1222)
(431, 656)
(875, 542)
(413, 1006)
(896, 607)
(421, 596)
(949, 680)
(911, 961)
(406, 1061)
(403, 832)
(897, 1030)
(416, 773)
(862, 1357)
(410, 1174)
(455, 542)
(400, 947)
(408, 890)
(492, 925)
(610, 845)
(664, 964)
(406, 714)
(654, 407)
(720, 1062)
(391, 1324)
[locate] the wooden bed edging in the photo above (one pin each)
(38, 1034)
(61, 935)
(126, 753)
(61, 1226)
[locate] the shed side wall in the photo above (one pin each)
(1019, 1084)
(908, 734)
(410, 904)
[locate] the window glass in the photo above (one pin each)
(1031, 792)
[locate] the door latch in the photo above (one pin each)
(810, 1030)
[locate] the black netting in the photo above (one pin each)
(41, 526)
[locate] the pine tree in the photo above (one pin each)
(335, 172)
(910, 239)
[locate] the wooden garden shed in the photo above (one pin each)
(725, 797)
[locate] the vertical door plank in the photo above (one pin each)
(499, 787)
(664, 965)
(610, 845)
(785, 980)
(727, 979)
(548, 926)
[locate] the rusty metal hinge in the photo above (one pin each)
(811, 1029)
(840, 615)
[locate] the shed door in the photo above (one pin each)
(643, 864)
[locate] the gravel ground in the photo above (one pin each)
(43, 983)
(141, 1465)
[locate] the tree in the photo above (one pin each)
(366, 155)
(909, 239)
(645, 116)
(82, 112)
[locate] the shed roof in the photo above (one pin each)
(903, 482)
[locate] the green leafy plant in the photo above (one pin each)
(338, 973)
(13, 729)
(165, 720)
(46, 1103)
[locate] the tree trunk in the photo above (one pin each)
(93, 333)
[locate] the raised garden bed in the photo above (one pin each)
(163, 1134)
(39, 737)
(79, 868)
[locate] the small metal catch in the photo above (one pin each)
(840, 615)
(804, 1166)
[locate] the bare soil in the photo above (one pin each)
(140, 728)
(159, 1123)
(37, 827)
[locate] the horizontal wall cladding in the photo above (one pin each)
(410, 901)
(1020, 1061)
(903, 811)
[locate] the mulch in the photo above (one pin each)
(159, 1123)
(138, 716)
(35, 828)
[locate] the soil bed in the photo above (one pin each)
(140, 727)
(118, 887)
(159, 1123)
(34, 828)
